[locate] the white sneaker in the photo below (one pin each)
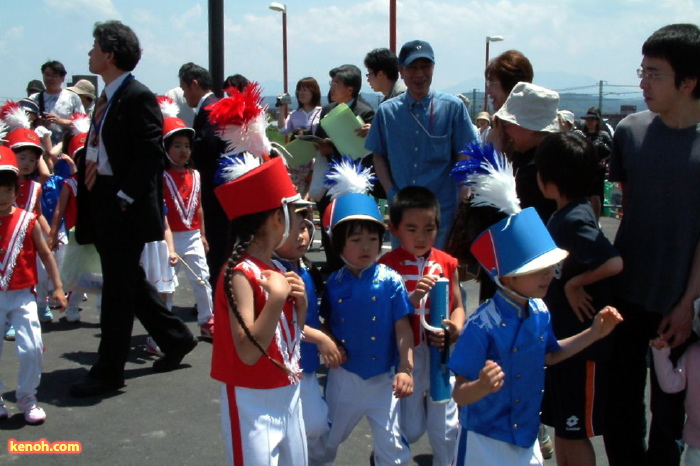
(33, 413)
(152, 347)
(4, 413)
(73, 314)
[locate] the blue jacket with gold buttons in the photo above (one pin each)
(362, 311)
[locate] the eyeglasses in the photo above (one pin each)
(651, 75)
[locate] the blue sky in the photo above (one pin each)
(570, 43)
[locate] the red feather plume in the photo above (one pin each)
(239, 108)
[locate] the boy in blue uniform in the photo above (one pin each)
(576, 390)
(500, 357)
(365, 308)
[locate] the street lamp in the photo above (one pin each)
(281, 7)
(489, 39)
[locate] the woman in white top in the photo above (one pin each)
(302, 121)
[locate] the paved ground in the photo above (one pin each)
(156, 419)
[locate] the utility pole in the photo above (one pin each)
(216, 45)
(600, 96)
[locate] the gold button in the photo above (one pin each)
(374, 358)
(374, 298)
(374, 318)
(343, 340)
(515, 350)
(517, 400)
(515, 426)
(373, 338)
(340, 300)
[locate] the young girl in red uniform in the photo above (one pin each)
(258, 315)
(20, 243)
(258, 309)
(26, 144)
(181, 187)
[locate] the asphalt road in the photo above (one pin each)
(157, 419)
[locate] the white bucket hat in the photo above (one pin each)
(531, 107)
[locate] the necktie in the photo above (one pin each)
(91, 165)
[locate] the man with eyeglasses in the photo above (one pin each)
(57, 105)
(656, 157)
(383, 73)
(416, 137)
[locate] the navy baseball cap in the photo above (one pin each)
(415, 49)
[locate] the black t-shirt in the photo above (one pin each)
(526, 185)
(574, 228)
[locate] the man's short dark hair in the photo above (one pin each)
(413, 197)
(119, 39)
(679, 45)
(343, 230)
(510, 68)
(351, 77)
(55, 66)
(568, 161)
(238, 81)
(385, 60)
(190, 72)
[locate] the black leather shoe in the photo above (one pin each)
(171, 361)
(94, 387)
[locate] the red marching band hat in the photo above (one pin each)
(20, 134)
(8, 160)
(80, 127)
(171, 123)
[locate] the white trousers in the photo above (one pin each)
(315, 412)
(18, 307)
(473, 449)
(188, 245)
(419, 413)
(263, 427)
(350, 398)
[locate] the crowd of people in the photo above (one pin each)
(188, 179)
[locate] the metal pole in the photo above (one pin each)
(216, 45)
(486, 99)
(392, 25)
(284, 50)
(474, 106)
(600, 98)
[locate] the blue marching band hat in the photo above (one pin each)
(348, 183)
(520, 243)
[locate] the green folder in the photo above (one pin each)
(340, 124)
(301, 152)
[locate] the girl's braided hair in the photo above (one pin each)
(243, 230)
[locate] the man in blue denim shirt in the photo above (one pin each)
(416, 137)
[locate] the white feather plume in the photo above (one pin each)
(248, 138)
(239, 166)
(16, 117)
(168, 107)
(3, 130)
(80, 124)
(346, 178)
(495, 188)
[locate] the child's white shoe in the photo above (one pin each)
(33, 413)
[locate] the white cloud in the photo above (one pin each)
(84, 8)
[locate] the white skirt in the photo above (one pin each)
(156, 264)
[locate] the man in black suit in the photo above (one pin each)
(346, 82)
(207, 147)
(120, 208)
